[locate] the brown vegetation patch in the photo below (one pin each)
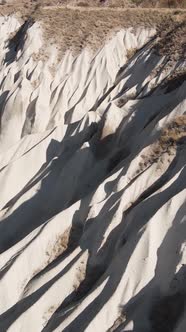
(175, 132)
(131, 52)
(162, 3)
(102, 3)
(68, 240)
(171, 137)
(77, 29)
(83, 25)
(59, 246)
(172, 40)
(175, 80)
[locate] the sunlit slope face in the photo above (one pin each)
(92, 160)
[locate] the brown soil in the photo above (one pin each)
(77, 27)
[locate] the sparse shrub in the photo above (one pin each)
(59, 246)
(122, 101)
(174, 132)
(171, 136)
(82, 4)
(131, 52)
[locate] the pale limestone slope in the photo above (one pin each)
(92, 222)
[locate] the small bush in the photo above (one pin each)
(172, 136)
(82, 4)
(131, 52)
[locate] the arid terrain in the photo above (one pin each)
(93, 166)
(70, 25)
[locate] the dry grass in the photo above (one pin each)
(131, 52)
(80, 27)
(77, 29)
(172, 38)
(65, 241)
(171, 136)
(161, 3)
(59, 246)
(174, 133)
(175, 80)
(26, 7)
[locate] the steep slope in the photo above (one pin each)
(93, 198)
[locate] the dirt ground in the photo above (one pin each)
(71, 25)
